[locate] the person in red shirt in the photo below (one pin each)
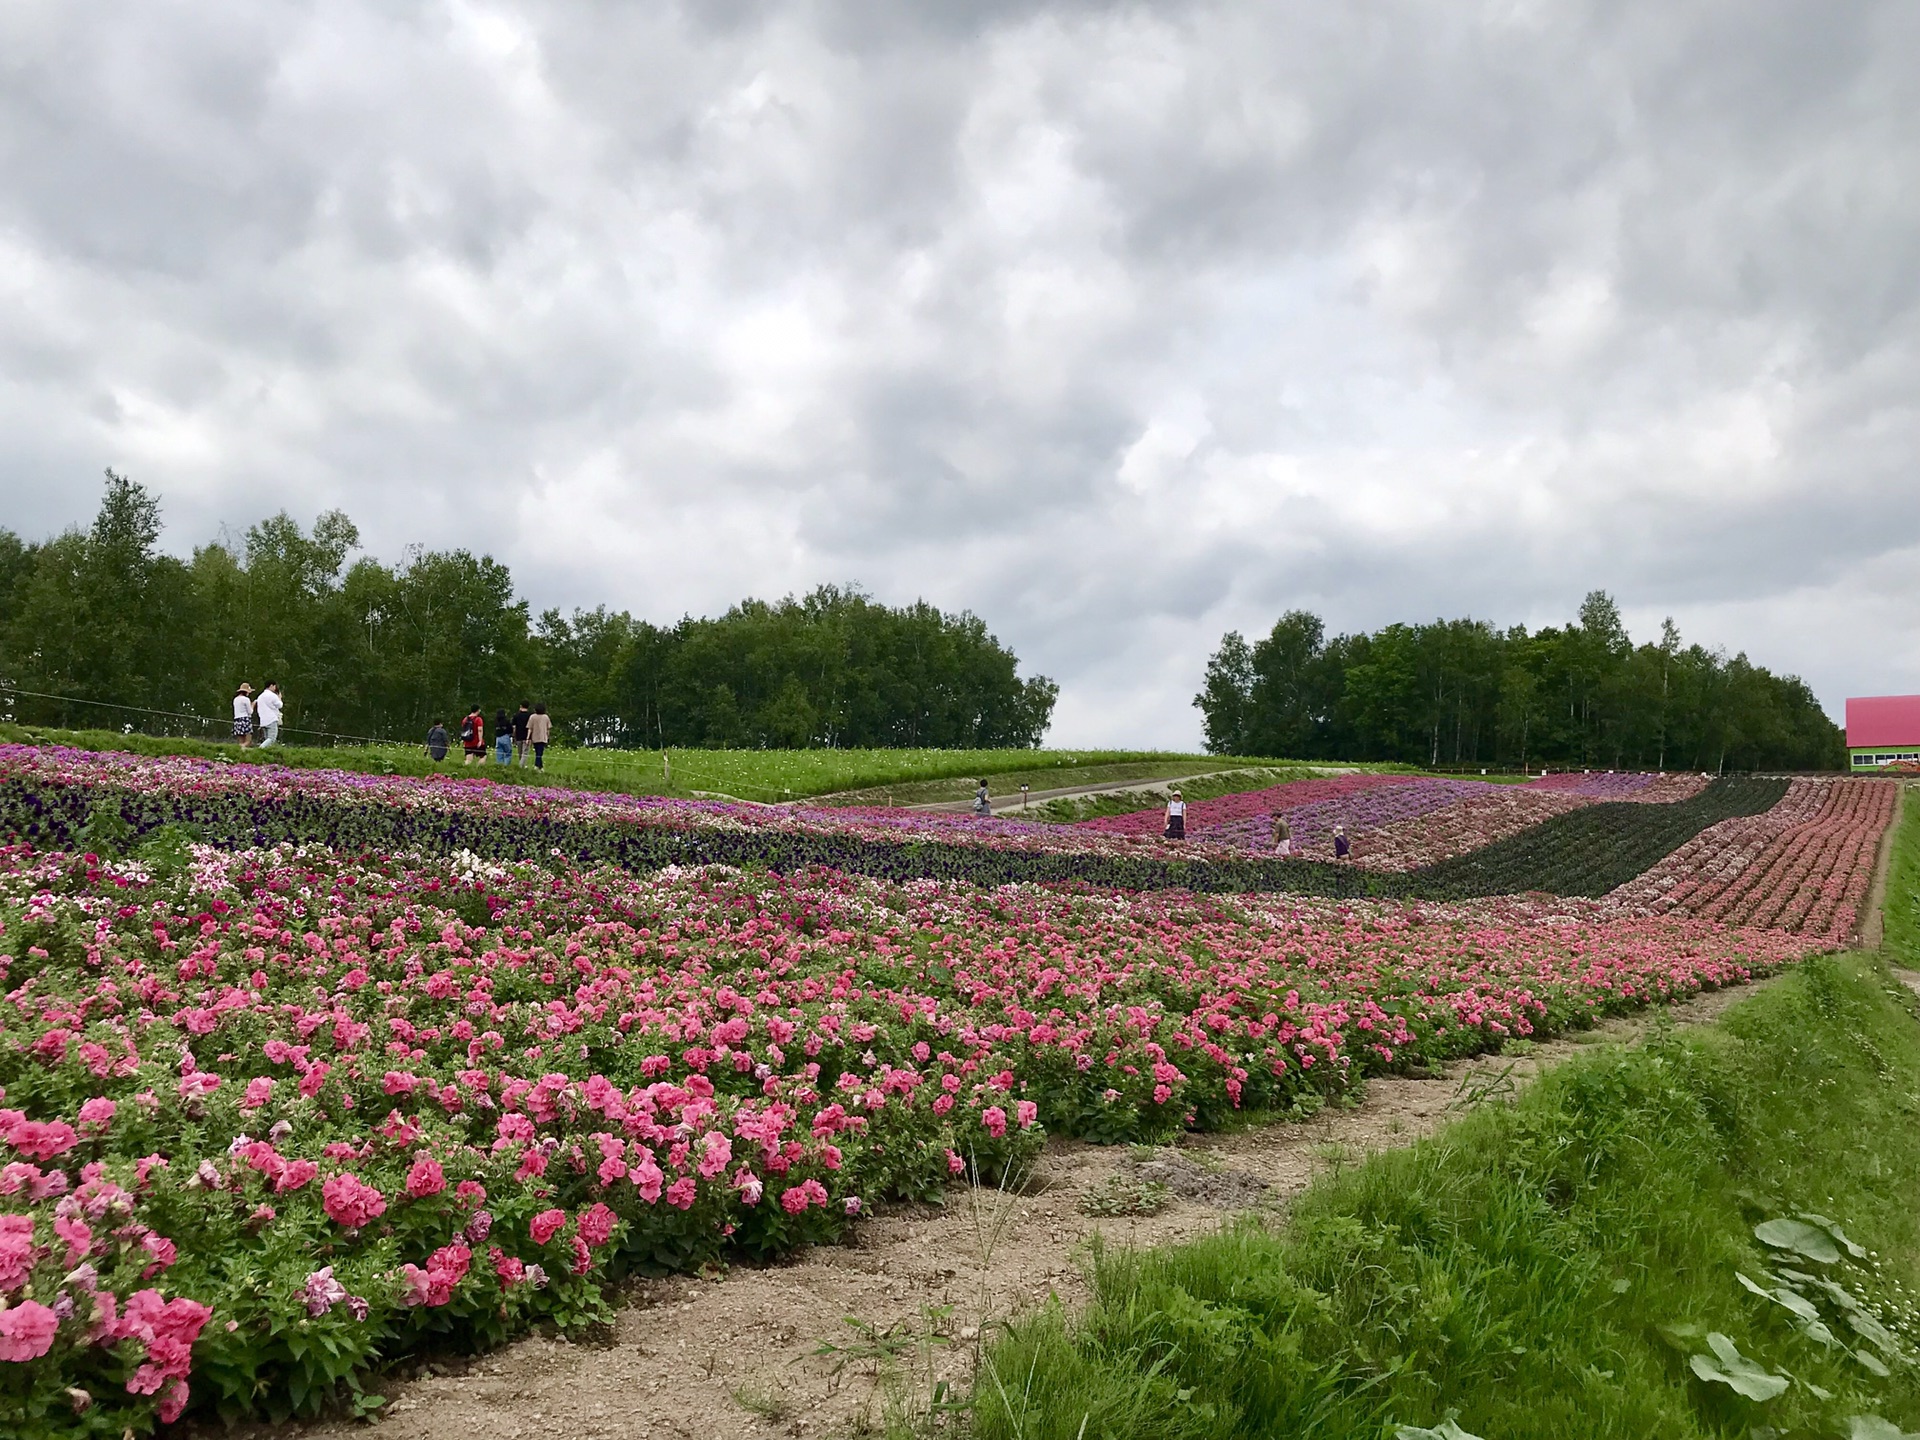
(473, 736)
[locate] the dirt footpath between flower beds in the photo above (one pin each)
(737, 1358)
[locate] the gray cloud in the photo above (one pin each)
(1119, 325)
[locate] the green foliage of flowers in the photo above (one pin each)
(1552, 1268)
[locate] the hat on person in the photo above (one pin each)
(244, 686)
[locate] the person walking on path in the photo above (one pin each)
(520, 719)
(1341, 847)
(243, 715)
(1282, 837)
(268, 710)
(539, 732)
(437, 742)
(1176, 815)
(502, 738)
(473, 736)
(981, 805)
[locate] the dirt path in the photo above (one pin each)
(1011, 805)
(739, 1357)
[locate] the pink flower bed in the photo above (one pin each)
(1398, 822)
(1804, 866)
(1494, 812)
(1481, 819)
(1630, 785)
(384, 1102)
(1359, 811)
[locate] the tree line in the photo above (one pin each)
(1463, 693)
(366, 649)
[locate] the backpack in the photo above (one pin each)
(469, 732)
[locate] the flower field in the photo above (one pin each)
(1805, 865)
(1249, 807)
(275, 1115)
(1595, 848)
(48, 797)
(337, 1088)
(1398, 823)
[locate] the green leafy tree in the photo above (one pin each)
(1461, 693)
(1226, 697)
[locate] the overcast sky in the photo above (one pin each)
(1121, 326)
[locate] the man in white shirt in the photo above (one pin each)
(267, 711)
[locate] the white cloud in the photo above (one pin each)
(1117, 325)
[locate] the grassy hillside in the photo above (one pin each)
(1552, 1268)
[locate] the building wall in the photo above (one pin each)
(1866, 757)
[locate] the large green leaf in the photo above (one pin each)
(1727, 1366)
(1445, 1430)
(1799, 1237)
(1872, 1427)
(1858, 1252)
(1805, 1313)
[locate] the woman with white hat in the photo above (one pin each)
(1176, 815)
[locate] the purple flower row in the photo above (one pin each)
(1359, 811)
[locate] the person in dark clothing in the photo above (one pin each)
(1176, 815)
(437, 742)
(502, 738)
(1342, 847)
(473, 735)
(520, 719)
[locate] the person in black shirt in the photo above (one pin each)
(437, 741)
(520, 719)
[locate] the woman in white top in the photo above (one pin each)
(243, 716)
(1176, 815)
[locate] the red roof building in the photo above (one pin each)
(1882, 729)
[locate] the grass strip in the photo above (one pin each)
(1554, 1267)
(1902, 937)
